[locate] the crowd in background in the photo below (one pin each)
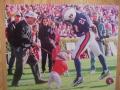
(108, 15)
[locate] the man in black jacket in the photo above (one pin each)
(10, 36)
(23, 42)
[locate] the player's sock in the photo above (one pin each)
(103, 62)
(78, 67)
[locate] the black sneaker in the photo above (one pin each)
(43, 71)
(104, 74)
(77, 81)
(41, 81)
(10, 72)
(14, 85)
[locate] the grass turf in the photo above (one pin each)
(91, 81)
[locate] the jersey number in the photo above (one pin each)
(82, 21)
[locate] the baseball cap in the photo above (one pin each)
(31, 14)
(17, 14)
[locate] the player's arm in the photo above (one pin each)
(89, 21)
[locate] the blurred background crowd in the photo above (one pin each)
(107, 15)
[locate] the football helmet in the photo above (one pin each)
(69, 14)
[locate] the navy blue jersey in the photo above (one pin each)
(82, 22)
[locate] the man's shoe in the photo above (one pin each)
(41, 81)
(14, 85)
(77, 81)
(43, 71)
(104, 74)
(10, 72)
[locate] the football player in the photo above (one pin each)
(82, 23)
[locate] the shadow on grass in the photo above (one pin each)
(22, 85)
(98, 86)
(92, 81)
(31, 78)
(80, 87)
(98, 69)
(28, 87)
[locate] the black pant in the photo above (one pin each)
(44, 58)
(34, 67)
(12, 59)
(23, 57)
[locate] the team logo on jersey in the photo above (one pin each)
(82, 21)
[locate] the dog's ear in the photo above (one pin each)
(63, 55)
(66, 55)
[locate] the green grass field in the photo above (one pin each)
(91, 81)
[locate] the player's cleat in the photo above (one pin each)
(104, 74)
(77, 81)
